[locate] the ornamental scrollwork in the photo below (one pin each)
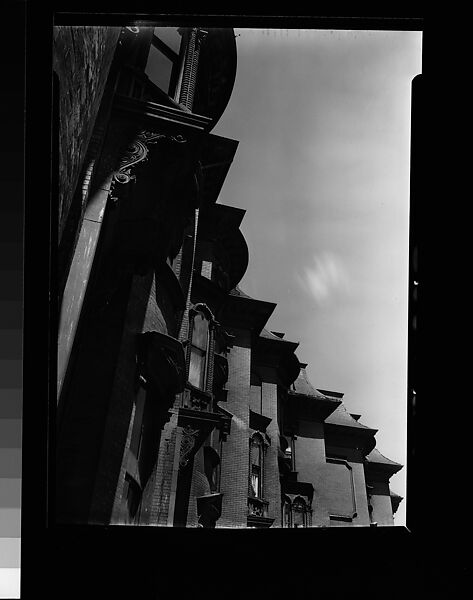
(189, 437)
(138, 151)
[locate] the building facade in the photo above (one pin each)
(175, 405)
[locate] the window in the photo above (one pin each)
(164, 62)
(206, 269)
(256, 466)
(286, 512)
(299, 513)
(198, 351)
(296, 513)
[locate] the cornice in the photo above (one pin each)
(152, 113)
(245, 312)
(350, 437)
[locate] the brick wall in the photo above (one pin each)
(234, 476)
(163, 476)
(82, 57)
(199, 487)
(143, 314)
(272, 486)
(309, 451)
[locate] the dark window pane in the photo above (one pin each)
(159, 68)
(170, 36)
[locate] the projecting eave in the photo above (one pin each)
(375, 461)
(307, 402)
(271, 350)
(395, 501)
(341, 417)
(310, 408)
(220, 223)
(216, 158)
(245, 312)
(342, 429)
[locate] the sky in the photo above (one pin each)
(322, 168)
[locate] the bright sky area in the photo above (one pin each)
(322, 168)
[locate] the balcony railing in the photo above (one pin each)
(257, 507)
(197, 399)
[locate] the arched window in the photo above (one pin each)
(286, 512)
(299, 513)
(296, 513)
(199, 344)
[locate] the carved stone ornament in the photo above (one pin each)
(138, 151)
(133, 29)
(189, 437)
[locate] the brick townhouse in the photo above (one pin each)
(176, 406)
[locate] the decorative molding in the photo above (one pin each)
(138, 152)
(167, 116)
(263, 437)
(262, 522)
(189, 437)
(257, 507)
(197, 399)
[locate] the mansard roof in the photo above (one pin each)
(342, 417)
(307, 403)
(303, 387)
(216, 158)
(241, 310)
(376, 459)
(341, 429)
(221, 223)
(272, 351)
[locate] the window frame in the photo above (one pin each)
(257, 440)
(176, 59)
(197, 350)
